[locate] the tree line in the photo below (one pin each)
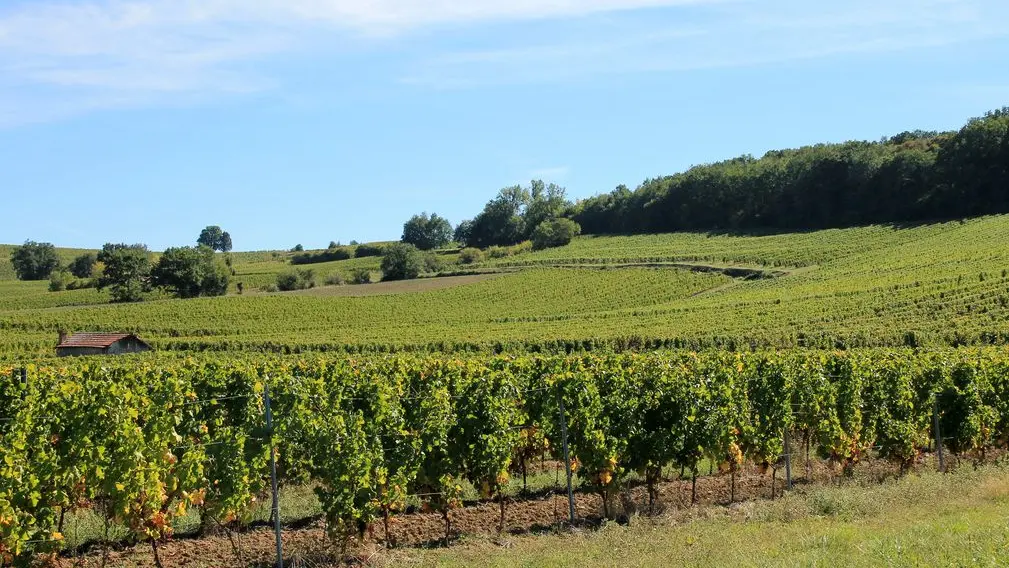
(915, 176)
(912, 177)
(127, 271)
(538, 214)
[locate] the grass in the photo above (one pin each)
(927, 519)
(921, 519)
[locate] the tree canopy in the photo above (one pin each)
(514, 214)
(427, 232)
(911, 177)
(215, 238)
(83, 266)
(34, 261)
(127, 271)
(190, 272)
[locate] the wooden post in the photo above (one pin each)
(788, 460)
(567, 457)
(273, 475)
(938, 433)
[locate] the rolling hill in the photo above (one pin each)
(930, 284)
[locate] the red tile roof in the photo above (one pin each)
(97, 340)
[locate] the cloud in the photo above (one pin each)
(59, 58)
(93, 54)
(724, 35)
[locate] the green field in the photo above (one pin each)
(938, 284)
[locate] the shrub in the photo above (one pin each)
(523, 247)
(295, 280)
(361, 276)
(402, 262)
(363, 251)
(59, 281)
(334, 279)
(433, 262)
(269, 288)
(497, 252)
(555, 233)
(80, 284)
(470, 255)
(328, 255)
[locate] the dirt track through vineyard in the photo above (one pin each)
(310, 546)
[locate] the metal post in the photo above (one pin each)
(938, 432)
(24, 376)
(567, 457)
(273, 475)
(788, 460)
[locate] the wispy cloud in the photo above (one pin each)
(94, 54)
(726, 35)
(61, 57)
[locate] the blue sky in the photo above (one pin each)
(305, 121)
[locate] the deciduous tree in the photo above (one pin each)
(427, 232)
(34, 261)
(127, 271)
(190, 272)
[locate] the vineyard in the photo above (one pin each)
(140, 441)
(931, 285)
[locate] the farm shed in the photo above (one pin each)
(100, 344)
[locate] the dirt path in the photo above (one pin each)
(310, 546)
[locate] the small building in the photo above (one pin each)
(99, 344)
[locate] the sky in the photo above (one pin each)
(308, 121)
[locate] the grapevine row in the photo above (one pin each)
(142, 443)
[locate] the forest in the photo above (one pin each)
(904, 179)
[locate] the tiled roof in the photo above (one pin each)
(98, 340)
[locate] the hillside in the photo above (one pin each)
(936, 284)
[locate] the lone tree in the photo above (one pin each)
(34, 261)
(215, 238)
(127, 271)
(83, 266)
(427, 232)
(190, 272)
(402, 262)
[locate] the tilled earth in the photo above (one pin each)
(310, 546)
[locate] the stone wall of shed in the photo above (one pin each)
(77, 351)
